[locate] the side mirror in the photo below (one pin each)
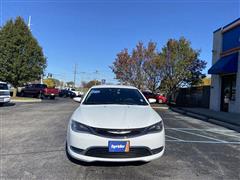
(77, 99)
(151, 100)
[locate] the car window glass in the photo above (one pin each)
(3, 86)
(115, 96)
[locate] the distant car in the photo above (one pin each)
(115, 124)
(66, 93)
(149, 95)
(39, 91)
(159, 98)
(77, 93)
(4, 93)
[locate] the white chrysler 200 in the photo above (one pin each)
(115, 124)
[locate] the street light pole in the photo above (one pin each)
(96, 77)
(75, 72)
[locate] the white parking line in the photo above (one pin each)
(205, 142)
(208, 129)
(212, 130)
(231, 135)
(199, 135)
(174, 138)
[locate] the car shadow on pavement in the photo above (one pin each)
(8, 104)
(104, 164)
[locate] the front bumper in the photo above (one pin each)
(4, 99)
(90, 148)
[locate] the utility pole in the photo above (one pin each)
(75, 73)
(41, 81)
(29, 22)
(96, 76)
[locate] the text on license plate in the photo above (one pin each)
(118, 146)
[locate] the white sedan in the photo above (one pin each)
(115, 124)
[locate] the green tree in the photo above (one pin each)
(136, 66)
(152, 67)
(70, 84)
(21, 58)
(141, 68)
(182, 66)
(90, 84)
(128, 68)
(122, 67)
(177, 65)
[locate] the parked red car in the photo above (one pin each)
(159, 98)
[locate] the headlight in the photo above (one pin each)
(155, 128)
(78, 127)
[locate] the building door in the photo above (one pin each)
(228, 91)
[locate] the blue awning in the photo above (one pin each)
(225, 65)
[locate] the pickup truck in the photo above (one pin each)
(39, 91)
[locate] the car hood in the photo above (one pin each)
(116, 116)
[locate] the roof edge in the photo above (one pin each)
(229, 24)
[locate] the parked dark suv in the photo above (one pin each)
(66, 93)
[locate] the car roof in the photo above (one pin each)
(3, 82)
(114, 86)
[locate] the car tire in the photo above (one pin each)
(52, 97)
(40, 96)
(160, 101)
(22, 94)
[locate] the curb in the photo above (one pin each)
(156, 107)
(207, 119)
(27, 101)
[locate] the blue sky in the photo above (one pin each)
(91, 33)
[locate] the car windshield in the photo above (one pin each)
(115, 96)
(3, 86)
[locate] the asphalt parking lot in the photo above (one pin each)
(33, 147)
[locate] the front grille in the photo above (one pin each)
(4, 93)
(102, 152)
(118, 133)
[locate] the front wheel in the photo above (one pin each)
(22, 94)
(40, 96)
(52, 97)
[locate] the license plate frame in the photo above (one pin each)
(118, 146)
